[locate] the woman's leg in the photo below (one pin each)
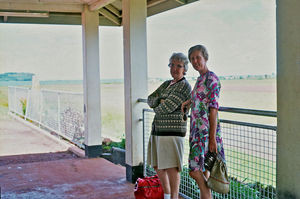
(174, 179)
(163, 177)
(199, 177)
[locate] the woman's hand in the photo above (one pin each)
(212, 145)
(186, 104)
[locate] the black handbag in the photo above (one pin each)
(218, 180)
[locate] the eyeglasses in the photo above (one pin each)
(173, 65)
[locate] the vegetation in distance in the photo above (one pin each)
(14, 79)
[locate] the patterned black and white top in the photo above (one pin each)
(168, 120)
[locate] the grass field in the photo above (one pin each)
(250, 94)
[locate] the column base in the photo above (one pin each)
(133, 173)
(93, 151)
(286, 194)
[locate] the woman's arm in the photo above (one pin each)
(154, 98)
(213, 130)
(174, 100)
(213, 104)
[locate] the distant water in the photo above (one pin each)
(56, 82)
(15, 83)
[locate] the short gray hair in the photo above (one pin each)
(182, 58)
(200, 48)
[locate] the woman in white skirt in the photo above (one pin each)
(165, 149)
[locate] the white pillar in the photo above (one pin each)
(135, 82)
(288, 98)
(91, 82)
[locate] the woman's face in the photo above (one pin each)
(176, 69)
(198, 61)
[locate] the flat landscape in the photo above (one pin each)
(244, 93)
(239, 141)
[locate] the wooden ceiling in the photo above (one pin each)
(69, 11)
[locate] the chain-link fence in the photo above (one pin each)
(250, 151)
(60, 112)
(17, 100)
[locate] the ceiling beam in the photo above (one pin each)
(55, 18)
(99, 4)
(23, 14)
(154, 2)
(182, 2)
(62, 1)
(114, 10)
(89, 2)
(45, 1)
(110, 16)
(46, 7)
(86, 1)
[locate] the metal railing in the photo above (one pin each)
(250, 149)
(250, 152)
(57, 111)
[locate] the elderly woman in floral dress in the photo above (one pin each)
(205, 131)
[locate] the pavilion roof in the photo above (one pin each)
(69, 11)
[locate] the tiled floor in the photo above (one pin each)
(33, 166)
(65, 178)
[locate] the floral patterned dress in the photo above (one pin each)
(204, 95)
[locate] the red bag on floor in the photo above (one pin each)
(148, 188)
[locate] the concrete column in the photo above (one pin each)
(91, 83)
(135, 82)
(288, 99)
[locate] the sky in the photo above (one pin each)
(240, 37)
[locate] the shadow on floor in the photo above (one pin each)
(40, 157)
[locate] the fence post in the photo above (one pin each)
(58, 111)
(27, 103)
(41, 111)
(15, 101)
(9, 98)
(144, 155)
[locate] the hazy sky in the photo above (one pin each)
(239, 35)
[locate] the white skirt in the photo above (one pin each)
(165, 152)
